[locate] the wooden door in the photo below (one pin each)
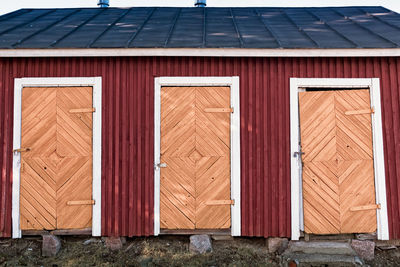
(195, 146)
(56, 172)
(338, 175)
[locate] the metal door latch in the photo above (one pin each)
(19, 150)
(160, 165)
(297, 153)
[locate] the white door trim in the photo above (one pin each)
(233, 83)
(297, 84)
(19, 84)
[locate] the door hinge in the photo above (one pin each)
(360, 111)
(80, 202)
(82, 110)
(220, 202)
(366, 207)
(219, 110)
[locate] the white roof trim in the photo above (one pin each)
(201, 52)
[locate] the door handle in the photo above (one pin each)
(160, 165)
(297, 153)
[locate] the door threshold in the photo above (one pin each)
(195, 232)
(85, 231)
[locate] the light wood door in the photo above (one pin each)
(195, 146)
(338, 175)
(57, 169)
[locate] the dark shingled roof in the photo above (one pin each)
(170, 27)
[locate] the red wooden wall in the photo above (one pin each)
(127, 163)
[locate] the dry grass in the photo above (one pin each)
(161, 251)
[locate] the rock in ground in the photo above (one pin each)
(90, 241)
(200, 244)
(113, 243)
(51, 245)
(277, 244)
(364, 248)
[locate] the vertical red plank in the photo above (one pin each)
(139, 112)
(149, 163)
(258, 148)
(280, 152)
(5, 167)
(267, 146)
(394, 158)
(124, 146)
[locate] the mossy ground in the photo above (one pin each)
(155, 251)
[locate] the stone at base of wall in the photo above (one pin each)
(114, 243)
(51, 245)
(277, 244)
(200, 244)
(364, 248)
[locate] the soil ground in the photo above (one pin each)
(156, 251)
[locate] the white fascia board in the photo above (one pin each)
(201, 52)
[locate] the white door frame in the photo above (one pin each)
(19, 84)
(298, 84)
(233, 83)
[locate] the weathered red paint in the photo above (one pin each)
(128, 112)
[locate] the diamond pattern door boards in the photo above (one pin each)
(195, 145)
(58, 167)
(338, 175)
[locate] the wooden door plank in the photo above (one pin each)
(317, 126)
(320, 198)
(318, 142)
(213, 143)
(76, 187)
(355, 169)
(38, 132)
(177, 191)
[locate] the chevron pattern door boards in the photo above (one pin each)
(195, 150)
(57, 168)
(338, 174)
